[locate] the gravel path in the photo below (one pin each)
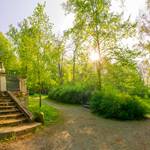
(81, 130)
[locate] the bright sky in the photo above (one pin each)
(131, 8)
(14, 11)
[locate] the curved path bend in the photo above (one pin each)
(81, 130)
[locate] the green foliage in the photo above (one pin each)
(144, 32)
(125, 78)
(146, 102)
(6, 53)
(97, 24)
(50, 114)
(34, 45)
(119, 106)
(48, 61)
(73, 94)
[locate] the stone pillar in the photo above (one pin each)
(22, 85)
(23, 89)
(2, 78)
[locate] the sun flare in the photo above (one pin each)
(94, 56)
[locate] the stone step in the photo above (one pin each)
(7, 111)
(8, 132)
(7, 103)
(7, 107)
(12, 122)
(14, 115)
(5, 97)
(6, 100)
(86, 106)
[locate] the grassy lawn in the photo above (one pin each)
(51, 114)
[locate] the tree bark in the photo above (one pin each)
(74, 66)
(99, 65)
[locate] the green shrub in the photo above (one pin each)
(31, 92)
(73, 94)
(119, 106)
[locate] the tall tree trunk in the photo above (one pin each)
(74, 65)
(39, 80)
(40, 91)
(99, 65)
(60, 72)
(60, 69)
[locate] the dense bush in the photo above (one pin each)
(73, 94)
(119, 106)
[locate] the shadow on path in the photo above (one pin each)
(81, 130)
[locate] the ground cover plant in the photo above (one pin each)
(51, 114)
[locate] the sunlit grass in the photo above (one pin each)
(51, 114)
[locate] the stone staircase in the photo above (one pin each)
(13, 120)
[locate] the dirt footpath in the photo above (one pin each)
(81, 130)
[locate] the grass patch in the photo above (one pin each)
(51, 114)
